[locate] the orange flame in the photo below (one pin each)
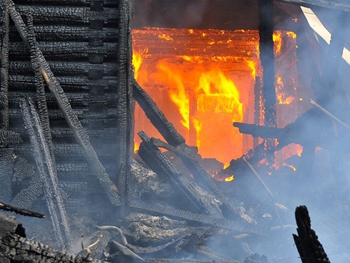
(277, 39)
(281, 96)
(202, 82)
(179, 96)
(219, 94)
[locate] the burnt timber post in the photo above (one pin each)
(268, 67)
(124, 99)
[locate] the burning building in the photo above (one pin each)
(196, 124)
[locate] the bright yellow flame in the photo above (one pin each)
(179, 95)
(230, 179)
(277, 39)
(219, 94)
(136, 61)
(280, 95)
(166, 37)
(136, 146)
(198, 127)
(252, 66)
(291, 34)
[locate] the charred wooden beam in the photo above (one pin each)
(237, 227)
(73, 15)
(309, 247)
(154, 114)
(40, 89)
(67, 50)
(125, 105)
(67, 68)
(20, 211)
(69, 33)
(267, 60)
(64, 104)
(177, 144)
(301, 131)
(47, 173)
(199, 173)
(160, 164)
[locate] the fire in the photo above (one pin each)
(280, 94)
(217, 93)
(202, 80)
(277, 39)
(230, 179)
(136, 61)
(178, 95)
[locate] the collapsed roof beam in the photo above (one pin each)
(340, 5)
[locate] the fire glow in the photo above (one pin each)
(203, 80)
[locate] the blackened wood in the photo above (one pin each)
(4, 113)
(257, 99)
(305, 130)
(68, 51)
(160, 164)
(266, 26)
(20, 211)
(20, 249)
(69, 33)
(79, 132)
(309, 247)
(154, 114)
(40, 89)
(54, 14)
(8, 224)
(237, 227)
(124, 105)
(343, 5)
(177, 143)
(201, 175)
(47, 173)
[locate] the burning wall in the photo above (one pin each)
(203, 80)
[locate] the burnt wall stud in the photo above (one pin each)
(124, 99)
(268, 69)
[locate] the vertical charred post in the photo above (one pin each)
(309, 247)
(267, 60)
(257, 96)
(4, 122)
(268, 67)
(124, 98)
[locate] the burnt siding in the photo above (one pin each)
(79, 39)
